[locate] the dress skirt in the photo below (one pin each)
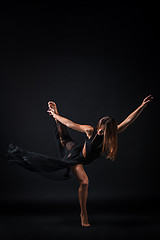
(46, 166)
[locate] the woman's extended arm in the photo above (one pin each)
(122, 126)
(75, 126)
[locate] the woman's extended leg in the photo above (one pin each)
(65, 138)
(78, 170)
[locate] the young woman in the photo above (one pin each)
(101, 140)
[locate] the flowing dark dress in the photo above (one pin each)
(57, 169)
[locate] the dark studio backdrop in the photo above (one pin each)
(92, 60)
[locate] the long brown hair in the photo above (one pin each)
(110, 137)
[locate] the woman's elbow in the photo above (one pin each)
(121, 128)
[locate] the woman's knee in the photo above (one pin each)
(84, 182)
(80, 174)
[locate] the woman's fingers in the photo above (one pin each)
(51, 109)
(148, 98)
(51, 112)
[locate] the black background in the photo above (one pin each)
(92, 60)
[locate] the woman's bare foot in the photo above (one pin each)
(53, 106)
(84, 220)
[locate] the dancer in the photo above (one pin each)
(99, 140)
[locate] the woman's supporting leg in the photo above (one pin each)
(78, 170)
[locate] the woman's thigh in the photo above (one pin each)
(80, 173)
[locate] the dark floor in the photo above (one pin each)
(109, 220)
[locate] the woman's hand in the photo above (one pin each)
(51, 112)
(147, 100)
(52, 109)
(53, 106)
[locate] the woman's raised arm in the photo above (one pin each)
(122, 126)
(70, 124)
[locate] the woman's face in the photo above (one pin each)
(100, 131)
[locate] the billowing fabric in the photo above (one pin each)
(53, 168)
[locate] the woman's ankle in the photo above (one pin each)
(84, 214)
